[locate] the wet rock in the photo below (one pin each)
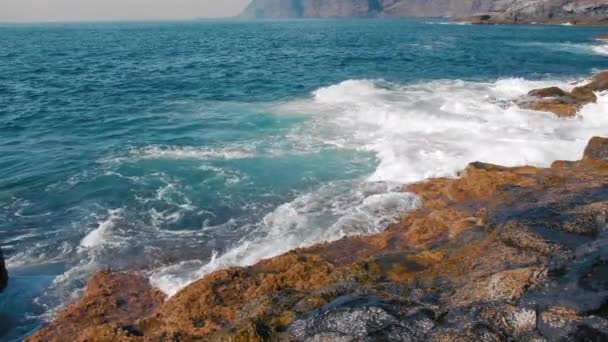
(359, 318)
(567, 104)
(475, 19)
(562, 108)
(597, 149)
(603, 36)
(599, 82)
(505, 285)
(564, 324)
(548, 92)
(3, 273)
(120, 298)
(500, 253)
(583, 94)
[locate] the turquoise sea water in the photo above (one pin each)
(181, 148)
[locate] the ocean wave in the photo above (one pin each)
(102, 233)
(435, 128)
(601, 48)
(416, 131)
(328, 214)
(188, 152)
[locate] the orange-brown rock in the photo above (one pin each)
(603, 36)
(597, 149)
(567, 104)
(113, 302)
(559, 107)
(548, 92)
(496, 254)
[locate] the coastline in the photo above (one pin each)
(499, 252)
(402, 269)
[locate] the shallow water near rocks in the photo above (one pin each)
(181, 148)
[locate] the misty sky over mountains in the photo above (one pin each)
(75, 10)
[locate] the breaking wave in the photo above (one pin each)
(416, 131)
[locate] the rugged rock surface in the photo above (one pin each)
(589, 12)
(364, 8)
(3, 273)
(496, 254)
(567, 104)
(575, 12)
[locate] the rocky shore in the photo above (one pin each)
(3, 273)
(496, 254)
(550, 12)
(567, 103)
(572, 12)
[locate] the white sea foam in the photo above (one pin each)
(188, 152)
(434, 129)
(330, 213)
(601, 48)
(99, 236)
(417, 131)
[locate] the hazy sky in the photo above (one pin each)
(54, 10)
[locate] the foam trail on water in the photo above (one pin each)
(417, 131)
(99, 235)
(601, 48)
(330, 213)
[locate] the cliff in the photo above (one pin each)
(364, 8)
(496, 254)
(575, 12)
(594, 12)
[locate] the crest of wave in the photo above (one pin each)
(417, 131)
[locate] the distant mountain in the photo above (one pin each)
(364, 8)
(504, 11)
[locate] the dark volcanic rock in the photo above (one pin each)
(356, 318)
(3, 273)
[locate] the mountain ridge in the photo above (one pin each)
(483, 11)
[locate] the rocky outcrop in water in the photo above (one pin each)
(497, 254)
(567, 104)
(587, 12)
(3, 273)
(575, 12)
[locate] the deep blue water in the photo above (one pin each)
(174, 141)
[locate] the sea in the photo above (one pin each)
(176, 149)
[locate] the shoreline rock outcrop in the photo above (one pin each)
(500, 253)
(567, 104)
(573, 12)
(3, 273)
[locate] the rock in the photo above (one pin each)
(603, 36)
(475, 19)
(117, 298)
(599, 82)
(576, 12)
(583, 94)
(597, 149)
(500, 253)
(505, 285)
(364, 318)
(548, 92)
(567, 104)
(559, 107)
(3, 273)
